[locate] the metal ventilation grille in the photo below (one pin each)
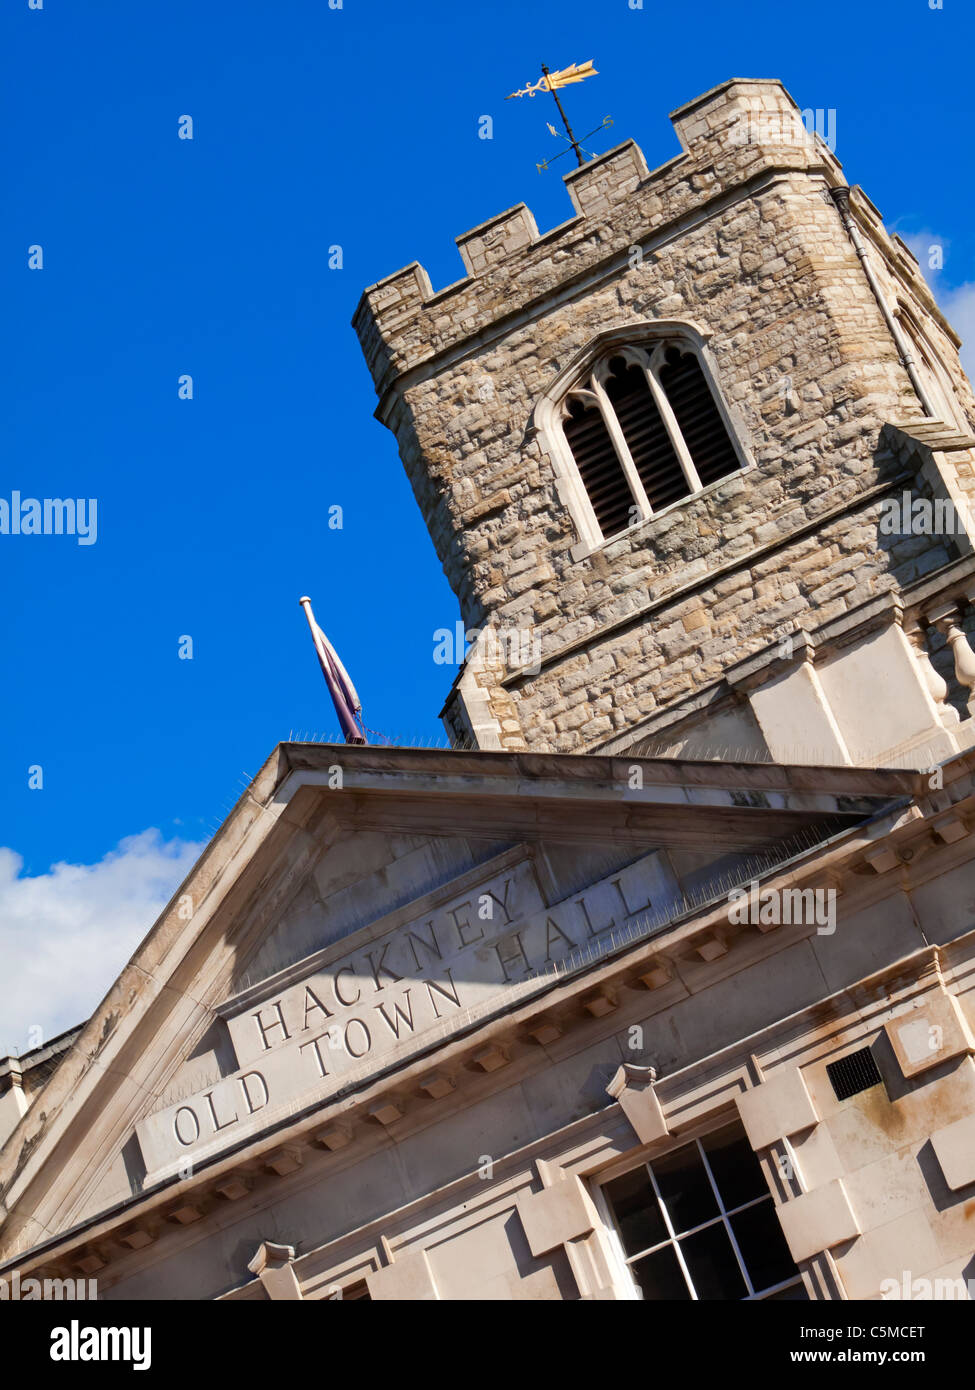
(698, 417)
(646, 435)
(851, 1075)
(600, 469)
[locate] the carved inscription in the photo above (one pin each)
(373, 1007)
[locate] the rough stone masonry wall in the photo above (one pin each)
(743, 242)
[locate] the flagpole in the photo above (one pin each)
(312, 628)
(565, 120)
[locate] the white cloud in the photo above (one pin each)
(66, 934)
(959, 310)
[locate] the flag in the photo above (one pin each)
(347, 704)
(575, 72)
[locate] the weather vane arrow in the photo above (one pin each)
(550, 82)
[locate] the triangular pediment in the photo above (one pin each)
(361, 906)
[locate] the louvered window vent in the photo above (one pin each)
(645, 430)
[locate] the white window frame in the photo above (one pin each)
(584, 379)
(674, 1237)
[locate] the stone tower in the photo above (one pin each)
(660, 450)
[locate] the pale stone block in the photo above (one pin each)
(933, 1032)
(954, 1148)
(274, 1266)
(186, 1214)
(904, 713)
(818, 1220)
(408, 1280)
(284, 1163)
(490, 1059)
(437, 1085)
(657, 976)
(408, 286)
(137, 1239)
(556, 1214)
(632, 1086)
(816, 1156)
(882, 1261)
(887, 1190)
(481, 1259)
(545, 1033)
(951, 829)
(794, 717)
(386, 1112)
(780, 1106)
(601, 183)
(711, 948)
(233, 1189)
(882, 859)
(868, 1128)
(334, 1137)
(493, 242)
(599, 1005)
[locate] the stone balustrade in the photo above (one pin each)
(947, 617)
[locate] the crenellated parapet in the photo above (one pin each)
(730, 136)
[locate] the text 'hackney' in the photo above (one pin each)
(335, 1018)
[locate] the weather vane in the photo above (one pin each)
(550, 82)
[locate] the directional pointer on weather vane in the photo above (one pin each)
(551, 82)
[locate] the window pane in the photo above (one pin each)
(712, 1264)
(599, 467)
(763, 1246)
(698, 417)
(645, 434)
(684, 1187)
(795, 1294)
(660, 1275)
(637, 1213)
(736, 1169)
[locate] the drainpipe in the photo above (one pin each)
(841, 197)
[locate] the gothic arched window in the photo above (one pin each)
(934, 374)
(644, 430)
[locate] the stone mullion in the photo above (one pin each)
(670, 422)
(622, 449)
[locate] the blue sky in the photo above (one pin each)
(313, 127)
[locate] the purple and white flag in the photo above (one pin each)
(347, 704)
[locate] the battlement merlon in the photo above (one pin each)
(731, 136)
